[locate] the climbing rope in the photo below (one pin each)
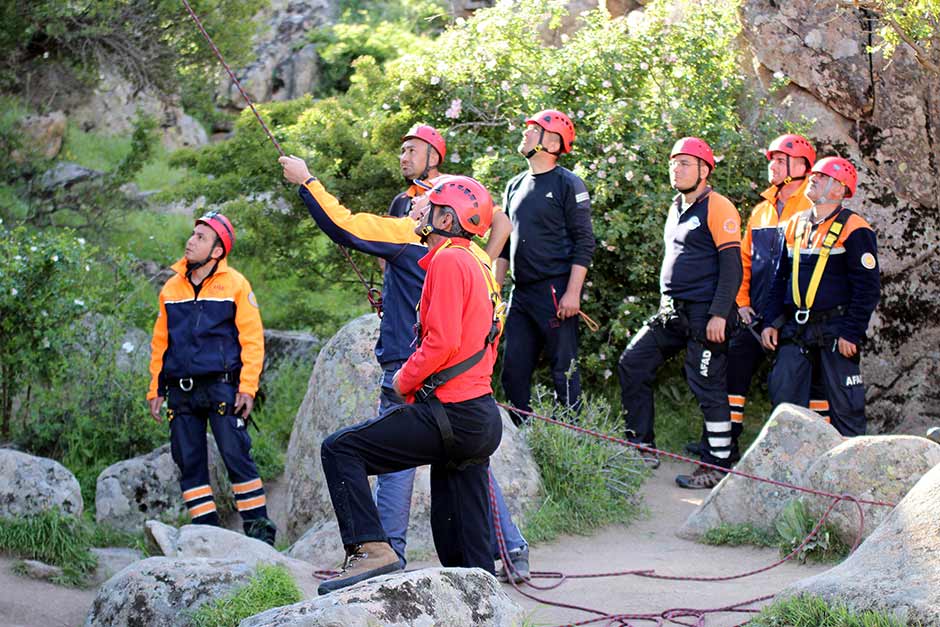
(373, 294)
(670, 615)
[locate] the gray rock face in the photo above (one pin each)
(883, 116)
(112, 561)
(131, 491)
(281, 71)
(31, 485)
(161, 591)
(281, 346)
(65, 174)
(456, 597)
(879, 468)
(205, 541)
(895, 569)
(343, 390)
(321, 546)
(789, 443)
(45, 134)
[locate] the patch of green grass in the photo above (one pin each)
(587, 482)
(53, 538)
(284, 392)
(812, 611)
(105, 152)
(271, 586)
(795, 523)
(740, 534)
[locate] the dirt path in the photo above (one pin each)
(649, 543)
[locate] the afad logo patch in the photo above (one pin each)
(868, 261)
(730, 226)
(252, 299)
(853, 379)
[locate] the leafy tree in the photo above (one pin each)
(150, 41)
(915, 23)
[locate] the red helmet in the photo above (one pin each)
(841, 170)
(222, 227)
(430, 135)
(695, 147)
(793, 145)
(555, 122)
(468, 198)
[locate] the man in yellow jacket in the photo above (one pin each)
(206, 358)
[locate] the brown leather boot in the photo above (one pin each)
(701, 479)
(370, 559)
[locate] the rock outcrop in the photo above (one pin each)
(895, 569)
(875, 468)
(791, 440)
(457, 597)
(343, 390)
(31, 485)
(162, 591)
(883, 115)
(134, 490)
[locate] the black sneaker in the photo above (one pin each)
(694, 448)
(519, 558)
(260, 529)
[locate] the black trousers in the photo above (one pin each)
(663, 336)
(214, 403)
(408, 436)
(812, 352)
(532, 327)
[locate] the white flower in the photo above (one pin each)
(607, 373)
(524, 90)
(386, 106)
(618, 67)
(504, 85)
(81, 241)
(611, 159)
(644, 66)
(602, 174)
(127, 347)
(13, 292)
(55, 258)
(605, 83)
(646, 178)
(32, 249)
(602, 356)
(629, 175)
(455, 157)
(580, 114)
(87, 268)
(779, 75)
(79, 302)
(45, 342)
(435, 80)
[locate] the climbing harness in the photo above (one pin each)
(373, 294)
(803, 238)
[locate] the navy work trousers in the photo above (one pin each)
(189, 411)
(408, 436)
(532, 326)
(812, 351)
(663, 336)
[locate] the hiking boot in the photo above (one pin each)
(701, 479)
(260, 529)
(519, 559)
(370, 559)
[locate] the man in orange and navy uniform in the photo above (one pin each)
(450, 420)
(824, 292)
(700, 276)
(206, 358)
(789, 159)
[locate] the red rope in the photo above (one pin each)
(373, 294)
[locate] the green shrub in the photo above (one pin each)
(795, 523)
(587, 482)
(740, 534)
(284, 390)
(270, 587)
(812, 611)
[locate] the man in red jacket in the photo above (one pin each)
(450, 420)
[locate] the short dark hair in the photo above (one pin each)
(456, 228)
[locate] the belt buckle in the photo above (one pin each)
(186, 384)
(801, 316)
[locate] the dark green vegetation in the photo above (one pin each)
(272, 586)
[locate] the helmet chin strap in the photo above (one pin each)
(698, 179)
(824, 195)
(192, 266)
(538, 146)
(789, 178)
(427, 168)
(429, 228)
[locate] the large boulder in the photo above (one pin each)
(875, 468)
(343, 390)
(44, 134)
(895, 570)
(792, 439)
(882, 114)
(162, 591)
(286, 346)
(206, 541)
(32, 485)
(134, 490)
(456, 597)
